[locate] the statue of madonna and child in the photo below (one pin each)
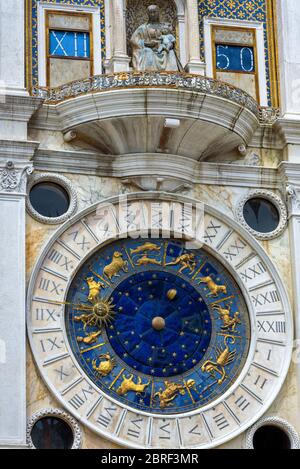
(153, 45)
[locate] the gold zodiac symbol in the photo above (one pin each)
(144, 248)
(94, 289)
(214, 289)
(128, 385)
(117, 264)
(147, 261)
(229, 322)
(172, 390)
(106, 366)
(223, 359)
(102, 313)
(187, 261)
(90, 339)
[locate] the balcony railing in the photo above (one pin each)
(172, 80)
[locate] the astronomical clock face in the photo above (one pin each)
(153, 343)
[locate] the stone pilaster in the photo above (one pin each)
(15, 166)
(120, 60)
(12, 47)
(194, 65)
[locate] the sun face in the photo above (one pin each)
(103, 312)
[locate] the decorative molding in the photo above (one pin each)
(152, 183)
(184, 81)
(272, 420)
(139, 165)
(61, 181)
(13, 179)
(274, 199)
(293, 200)
(251, 159)
(60, 414)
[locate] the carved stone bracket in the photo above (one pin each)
(152, 183)
(293, 200)
(14, 179)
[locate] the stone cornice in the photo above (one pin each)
(19, 108)
(18, 151)
(156, 165)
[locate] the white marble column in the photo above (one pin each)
(12, 47)
(294, 226)
(288, 33)
(14, 169)
(194, 65)
(120, 60)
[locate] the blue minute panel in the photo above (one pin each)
(69, 44)
(235, 58)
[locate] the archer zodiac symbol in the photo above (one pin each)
(106, 366)
(214, 289)
(167, 396)
(128, 385)
(187, 261)
(229, 323)
(117, 264)
(223, 358)
(145, 248)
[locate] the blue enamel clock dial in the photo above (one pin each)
(156, 326)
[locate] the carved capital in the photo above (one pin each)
(293, 200)
(13, 178)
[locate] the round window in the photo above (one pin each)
(49, 199)
(52, 433)
(271, 437)
(261, 215)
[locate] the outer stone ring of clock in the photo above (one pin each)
(155, 335)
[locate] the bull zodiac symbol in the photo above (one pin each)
(128, 385)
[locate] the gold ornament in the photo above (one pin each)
(214, 289)
(229, 322)
(172, 390)
(144, 248)
(187, 261)
(223, 359)
(171, 295)
(128, 385)
(105, 367)
(117, 264)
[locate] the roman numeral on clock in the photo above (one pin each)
(59, 259)
(135, 428)
(253, 272)
(80, 398)
(106, 416)
(266, 298)
(211, 232)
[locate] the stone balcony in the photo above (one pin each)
(175, 113)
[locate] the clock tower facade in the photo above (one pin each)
(149, 199)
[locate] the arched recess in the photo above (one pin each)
(172, 11)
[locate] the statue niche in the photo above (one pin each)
(152, 42)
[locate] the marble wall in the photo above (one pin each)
(92, 189)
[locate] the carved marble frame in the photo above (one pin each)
(275, 200)
(259, 251)
(56, 413)
(275, 421)
(65, 184)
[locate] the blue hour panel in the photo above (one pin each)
(235, 58)
(69, 44)
(158, 327)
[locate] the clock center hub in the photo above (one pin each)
(158, 323)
